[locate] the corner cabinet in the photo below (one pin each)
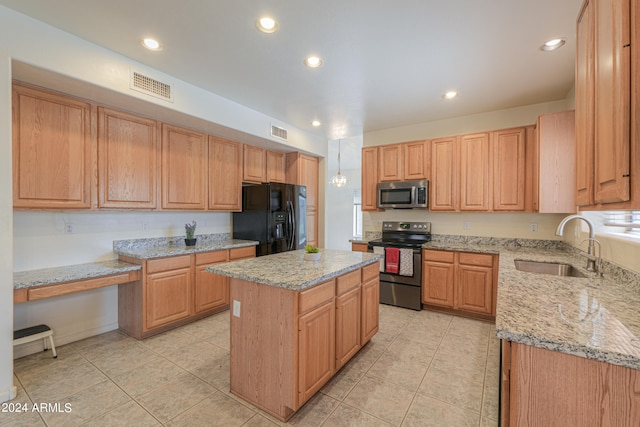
(53, 148)
(173, 291)
(184, 169)
(298, 339)
(460, 282)
(608, 140)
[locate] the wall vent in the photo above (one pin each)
(153, 87)
(278, 132)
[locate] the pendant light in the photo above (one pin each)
(339, 180)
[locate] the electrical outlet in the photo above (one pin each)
(68, 228)
(466, 225)
(534, 228)
(145, 226)
(236, 308)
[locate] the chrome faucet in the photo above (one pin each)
(590, 255)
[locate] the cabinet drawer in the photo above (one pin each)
(169, 263)
(441, 256)
(316, 295)
(468, 258)
(370, 271)
(348, 281)
(212, 257)
(244, 252)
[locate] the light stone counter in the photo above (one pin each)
(69, 273)
(290, 271)
(594, 317)
(172, 246)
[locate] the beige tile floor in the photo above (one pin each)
(421, 369)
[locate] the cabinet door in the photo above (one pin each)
(316, 350)
(128, 160)
(584, 107)
(184, 168)
(369, 178)
(255, 167)
(348, 318)
(225, 175)
(612, 74)
(211, 290)
(168, 297)
(474, 172)
(416, 160)
(52, 150)
(359, 247)
(390, 163)
(508, 148)
(444, 172)
(370, 309)
(437, 283)
(309, 175)
(275, 166)
(311, 228)
(474, 290)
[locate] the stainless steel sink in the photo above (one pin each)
(554, 268)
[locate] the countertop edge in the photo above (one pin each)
(71, 273)
(162, 252)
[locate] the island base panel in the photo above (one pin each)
(264, 346)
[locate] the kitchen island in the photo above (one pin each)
(295, 323)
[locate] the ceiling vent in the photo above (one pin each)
(153, 87)
(278, 132)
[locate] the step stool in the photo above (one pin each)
(23, 336)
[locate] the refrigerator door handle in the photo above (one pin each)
(293, 227)
(289, 227)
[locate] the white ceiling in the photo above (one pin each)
(386, 63)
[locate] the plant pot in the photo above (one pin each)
(312, 257)
(190, 242)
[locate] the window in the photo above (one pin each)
(357, 220)
(627, 222)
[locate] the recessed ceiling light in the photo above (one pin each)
(316, 123)
(313, 62)
(267, 25)
(151, 44)
(450, 95)
(553, 44)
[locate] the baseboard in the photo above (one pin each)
(9, 394)
(59, 340)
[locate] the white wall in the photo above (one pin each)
(7, 390)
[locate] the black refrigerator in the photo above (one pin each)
(275, 215)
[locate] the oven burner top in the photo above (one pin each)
(399, 243)
(403, 234)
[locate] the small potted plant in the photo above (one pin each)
(190, 230)
(311, 253)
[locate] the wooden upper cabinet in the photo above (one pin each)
(184, 168)
(275, 166)
(390, 163)
(369, 178)
(612, 74)
(444, 171)
(584, 106)
(255, 165)
(416, 160)
(475, 168)
(306, 169)
(556, 147)
(225, 175)
(52, 150)
(508, 155)
(128, 160)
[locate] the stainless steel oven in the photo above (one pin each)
(399, 288)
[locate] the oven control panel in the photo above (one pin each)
(407, 227)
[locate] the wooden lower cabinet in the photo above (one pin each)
(460, 281)
(359, 247)
(285, 345)
(173, 291)
(547, 388)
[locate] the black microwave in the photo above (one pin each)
(403, 195)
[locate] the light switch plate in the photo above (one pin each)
(236, 308)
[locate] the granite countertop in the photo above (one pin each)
(290, 271)
(142, 249)
(593, 317)
(50, 276)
